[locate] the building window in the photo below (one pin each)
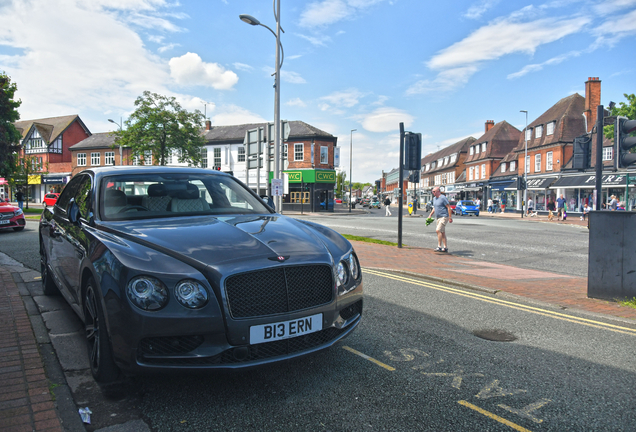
(324, 155)
(483, 171)
(36, 164)
(56, 146)
(548, 161)
(241, 154)
(299, 152)
(607, 153)
(204, 157)
(438, 179)
(472, 150)
(550, 128)
(217, 158)
(528, 134)
(477, 148)
(148, 157)
(483, 147)
(451, 177)
(503, 167)
(95, 159)
(471, 173)
(453, 158)
(446, 160)
(135, 160)
(538, 131)
(537, 163)
(81, 159)
(443, 178)
(513, 165)
(109, 158)
(285, 152)
(428, 166)
(35, 143)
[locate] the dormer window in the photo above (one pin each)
(446, 160)
(528, 134)
(550, 128)
(538, 131)
(453, 158)
(477, 148)
(503, 167)
(472, 150)
(483, 147)
(513, 165)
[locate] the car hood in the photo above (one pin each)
(213, 240)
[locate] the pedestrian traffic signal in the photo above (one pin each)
(378, 185)
(582, 150)
(521, 183)
(412, 151)
(624, 142)
(414, 176)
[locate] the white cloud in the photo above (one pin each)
(242, 67)
(386, 119)
(616, 28)
(235, 115)
(320, 40)
(538, 66)
(447, 80)
(477, 10)
(347, 98)
(297, 102)
(291, 77)
(611, 6)
(168, 47)
(326, 12)
(189, 69)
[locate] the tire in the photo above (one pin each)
(48, 284)
(100, 353)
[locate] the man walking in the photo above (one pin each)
(19, 197)
(442, 212)
(387, 205)
(560, 207)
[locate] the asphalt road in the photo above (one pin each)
(558, 248)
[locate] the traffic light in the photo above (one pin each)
(624, 142)
(378, 186)
(582, 149)
(414, 176)
(521, 183)
(412, 151)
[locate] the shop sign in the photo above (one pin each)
(295, 176)
(35, 179)
(608, 180)
(325, 176)
(49, 179)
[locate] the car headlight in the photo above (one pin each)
(18, 212)
(191, 294)
(342, 273)
(147, 293)
(353, 266)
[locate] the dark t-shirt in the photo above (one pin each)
(19, 196)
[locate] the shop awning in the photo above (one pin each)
(588, 181)
(540, 183)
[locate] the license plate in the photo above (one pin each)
(285, 329)
(2, 222)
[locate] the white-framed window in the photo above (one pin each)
(56, 146)
(36, 164)
(471, 173)
(477, 148)
(438, 179)
(548, 161)
(81, 159)
(472, 150)
(451, 177)
(483, 147)
(204, 157)
(528, 134)
(607, 153)
(550, 128)
(453, 158)
(503, 167)
(428, 166)
(109, 158)
(537, 163)
(217, 157)
(440, 162)
(443, 178)
(527, 164)
(299, 152)
(285, 152)
(538, 131)
(324, 155)
(425, 182)
(483, 170)
(95, 159)
(241, 154)
(513, 165)
(446, 160)
(148, 157)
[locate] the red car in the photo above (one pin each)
(11, 217)
(50, 199)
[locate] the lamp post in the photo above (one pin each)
(351, 168)
(121, 151)
(279, 63)
(525, 167)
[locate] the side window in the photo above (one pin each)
(83, 196)
(68, 192)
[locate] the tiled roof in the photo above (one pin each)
(96, 141)
(500, 139)
(458, 147)
(236, 133)
(569, 123)
(49, 128)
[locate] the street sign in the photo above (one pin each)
(252, 141)
(277, 187)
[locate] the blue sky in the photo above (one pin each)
(441, 68)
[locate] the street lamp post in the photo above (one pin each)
(280, 55)
(121, 151)
(351, 168)
(525, 167)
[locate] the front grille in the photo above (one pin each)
(279, 290)
(255, 352)
(171, 345)
(6, 215)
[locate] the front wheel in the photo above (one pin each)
(100, 353)
(48, 285)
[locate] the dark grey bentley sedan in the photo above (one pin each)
(186, 268)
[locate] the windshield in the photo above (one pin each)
(468, 203)
(143, 196)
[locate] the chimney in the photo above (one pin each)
(592, 100)
(489, 124)
(208, 125)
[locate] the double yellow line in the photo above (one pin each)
(509, 304)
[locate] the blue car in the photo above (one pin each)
(466, 207)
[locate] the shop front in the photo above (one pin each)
(579, 190)
(469, 191)
(310, 190)
(540, 193)
(53, 183)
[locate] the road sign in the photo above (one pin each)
(277, 187)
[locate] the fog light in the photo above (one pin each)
(147, 293)
(191, 294)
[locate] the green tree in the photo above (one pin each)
(159, 126)
(341, 179)
(623, 109)
(9, 135)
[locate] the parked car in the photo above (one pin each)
(366, 202)
(11, 217)
(375, 203)
(466, 207)
(184, 268)
(452, 204)
(50, 199)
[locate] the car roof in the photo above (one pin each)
(154, 169)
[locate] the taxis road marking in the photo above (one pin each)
(512, 305)
(371, 359)
(493, 416)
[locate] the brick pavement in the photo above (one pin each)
(25, 401)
